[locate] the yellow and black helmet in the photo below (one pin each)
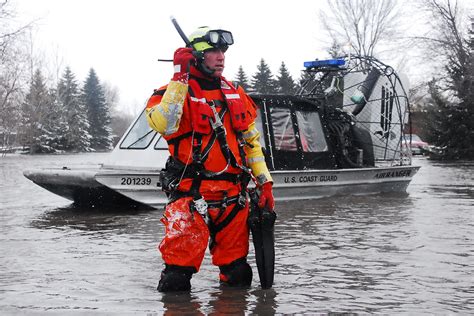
(205, 38)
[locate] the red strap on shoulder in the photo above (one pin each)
(237, 108)
(200, 110)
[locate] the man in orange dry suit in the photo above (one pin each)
(214, 145)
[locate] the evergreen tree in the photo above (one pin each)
(60, 126)
(242, 79)
(437, 108)
(461, 114)
(286, 84)
(452, 115)
(75, 124)
(452, 96)
(450, 125)
(37, 121)
(306, 82)
(262, 80)
(98, 113)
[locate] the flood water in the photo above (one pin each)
(407, 253)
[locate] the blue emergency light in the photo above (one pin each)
(324, 63)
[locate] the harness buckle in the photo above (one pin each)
(200, 206)
(243, 142)
(224, 201)
(242, 200)
(217, 122)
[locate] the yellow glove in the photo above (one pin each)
(255, 157)
(165, 116)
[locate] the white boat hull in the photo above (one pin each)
(311, 184)
(99, 186)
(144, 187)
(78, 185)
(141, 186)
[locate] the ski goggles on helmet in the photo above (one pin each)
(216, 39)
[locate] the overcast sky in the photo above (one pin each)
(122, 40)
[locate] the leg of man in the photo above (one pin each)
(183, 247)
(230, 247)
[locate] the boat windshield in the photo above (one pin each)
(309, 128)
(283, 131)
(161, 143)
(139, 136)
(311, 132)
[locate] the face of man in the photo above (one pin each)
(214, 59)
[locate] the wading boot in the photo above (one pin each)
(175, 278)
(236, 274)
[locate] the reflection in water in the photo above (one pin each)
(89, 219)
(266, 302)
(221, 301)
(180, 303)
(228, 301)
(411, 253)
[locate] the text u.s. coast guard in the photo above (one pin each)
(310, 178)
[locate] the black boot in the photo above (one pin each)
(237, 274)
(175, 278)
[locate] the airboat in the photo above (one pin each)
(342, 133)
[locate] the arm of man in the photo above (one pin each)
(255, 157)
(254, 153)
(164, 110)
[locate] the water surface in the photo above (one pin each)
(398, 253)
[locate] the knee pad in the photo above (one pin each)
(237, 273)
(175, 278)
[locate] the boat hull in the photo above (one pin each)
(288, 185)
(142, 187)
(79, 186)
(311, 184)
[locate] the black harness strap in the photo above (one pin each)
(176, 195)
(223, 203)
(242, 143)
(176, 140)
(216, 228)
(212, 140)
(198, 165)
(226, 176)
(180, 137)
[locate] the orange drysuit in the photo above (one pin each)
(170, 111)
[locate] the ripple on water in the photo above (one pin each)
(401, 253)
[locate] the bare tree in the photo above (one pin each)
(8, 33)
(10, 98)
(363, 24)
(9, 78)
(451, 92)
(5, 34)
(13, 74)
(447, 41)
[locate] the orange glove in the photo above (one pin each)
(266, 196)
(183, 58)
